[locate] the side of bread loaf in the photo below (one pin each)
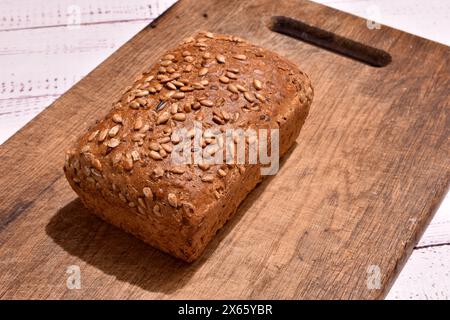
(122, 167)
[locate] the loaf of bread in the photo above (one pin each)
(123, 169)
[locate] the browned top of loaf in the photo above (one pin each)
(222, 81)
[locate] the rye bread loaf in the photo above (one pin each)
(122, 167)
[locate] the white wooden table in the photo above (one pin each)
(48, 45)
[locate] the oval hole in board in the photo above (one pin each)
(332, 42)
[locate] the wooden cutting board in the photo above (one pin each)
(348, 205)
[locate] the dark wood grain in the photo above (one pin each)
(370, 168)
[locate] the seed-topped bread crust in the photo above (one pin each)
(122, 169)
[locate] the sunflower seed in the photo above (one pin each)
(198, 86)
(158, 172)
(171, 86)
(135, 155)
(222, 172)
(113, 131)
(97, 164)
(163, 153)
(174, 108)
(204, 82)
(93, 135)
(249, 96)
(141, 204)
(260, 97)
(178, 170)
(167, 147)
(257, 84)
(138, 124)
(218, 120)
(186, 53)
(178, 84)
(156, 210)
(186, 89)
(241, 88)
(209, 35)
(188, 68)
(113, 143)
(169, 57)
(164, 140)
(202, 72)
(231, 75)
(148, 194)
(233, 70)
(137, 137)
(225, 115)
(179, 117)
(162, 70)
(175, 138)
(240, 57)
(142, 93)
(154, 146)
(189, 59)
(224, 79)
(220, 58)
(165, 63)
(134, 104)
(232, 88)
(206, 55)
(203, 166)
(160, 106)
(178, 95)
(172, 199)
(128, 164)
(163, 77)
(144, 128)
(116, 158)
(207, 103)
(208, 178)
(117, 118)
(122, 198)
(187, 108)
(155, 155)
(163, 118)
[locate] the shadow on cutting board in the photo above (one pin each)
(120, 254)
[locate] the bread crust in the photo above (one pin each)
(121, 167)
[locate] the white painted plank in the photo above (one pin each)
(429, 19)
(20, 14)
(46, 62)
(51, 60)
(438, 232)
(14, 113)
(425, 275)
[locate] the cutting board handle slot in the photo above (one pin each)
(330, 41)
